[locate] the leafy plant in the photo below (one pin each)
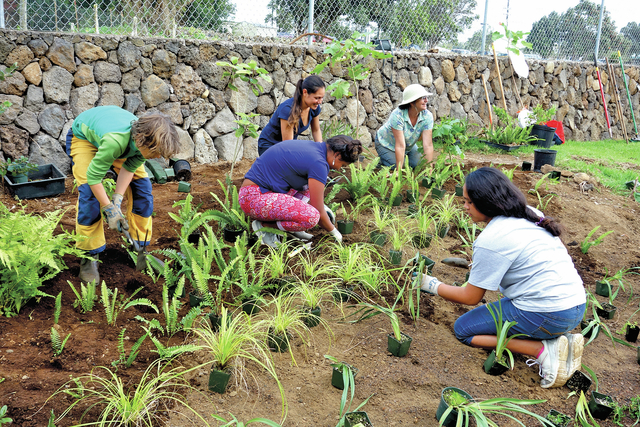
(146, 403)
(19, 166)
(3, 107)
(503, 354)
(515, 39)
(382, 218)
(171, 309)
(509, 172)
(85, 299)
(400, 234)
(504, 406)
(231, 216)
(335, 127)
(114, 304)
(348, 391)
(135, 350)
(188, 216)
(236, 423)
(3, 418)
(360, 179)
(57, 344)
(540, 115)
(31, 252)
(441, 174)
(57, 308)
(586, 244)
(583, 415)
(368, 310)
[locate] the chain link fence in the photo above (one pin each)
(409, 24)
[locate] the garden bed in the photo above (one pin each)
(407, 390)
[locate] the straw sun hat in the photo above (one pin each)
(413, 92)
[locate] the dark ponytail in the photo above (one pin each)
(311, 84)
(493, 195)
(348, 148)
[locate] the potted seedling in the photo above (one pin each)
(381, 220)
(353, 262)
(17, 169)
(274, 268)
(396, 182)
(542, 133)
(501, 359)
(601, 405)
(281, 321)
(345, 226)
(444, 212)
(558, 419)
(357, 419)
(458, 175)
(398, 343)
(312, 296)
(232, 218)
(422, 238)
(400, 236)
(360, 179)
(451, 397)
(440, 176)
(342, 373)
(631, 330)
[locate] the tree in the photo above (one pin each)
(572, 34)
(293, 16)
(475, 41)
(208, 14)
(630, 50)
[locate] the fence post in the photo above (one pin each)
(23, 15)
(599, 31)
(1, 14)
(484, 27)
(310, 30)
(95, 14)
(135, 26)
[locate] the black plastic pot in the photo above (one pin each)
(631, 333)
(602, 288)
(584, 324)
(543, 157)
(312, 316)
(558, 419)
(412, 196)
(544, 135)
(395, 257)
(450, 421)
(443, 230)
(336, 376)
(399, 348)
(600, 405)
(493, 366)
(195, 300)
(555, 175)
(250, 306)
(638, 356)
(412, 210)
(345, 227)
(218, 380)
(579, 382)
(342, 293)
(607, 311)
(216, 320)
(172, 292)
(459, 190)
(428, 263)
(378, 238)
(182, 169)
(278, 342)
(352, 419)
(438, 193)
(526, 166)
(47, 181)
(397, 201)
(427, 182)
(231, 235)
(195, 237)
(421, 240)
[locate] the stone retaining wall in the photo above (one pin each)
(60, 75)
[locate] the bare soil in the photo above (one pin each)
(406, 391)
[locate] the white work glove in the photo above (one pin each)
(116, 199)
(302, 235)
(429, 284)
(331, 215)
(115, 219)
(336, 235)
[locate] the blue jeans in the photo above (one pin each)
(388, 157)
(539, 326)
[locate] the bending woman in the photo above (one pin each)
(407, 124)
(519, 254)
(284, 188)
(295, 115)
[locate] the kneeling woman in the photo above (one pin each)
(284, 188)
(519, 254)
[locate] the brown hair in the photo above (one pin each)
(348, 147)
(157, 132)
(312, 84)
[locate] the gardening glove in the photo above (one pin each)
(116, 199)
(331, 215)
(336, 235)
(429, 284)
(115, 219)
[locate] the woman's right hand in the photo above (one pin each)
(336, 235)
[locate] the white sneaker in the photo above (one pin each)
(269, 239)
(574, 359)
(552, 361)
(302, 235)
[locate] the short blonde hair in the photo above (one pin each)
(157, 132)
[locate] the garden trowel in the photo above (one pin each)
(141, 251)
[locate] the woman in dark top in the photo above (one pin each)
(295, 115)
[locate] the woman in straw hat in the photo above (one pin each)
(407, 124)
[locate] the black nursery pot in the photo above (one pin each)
(336, 377)
(399, 348)
(345, 227)
(607, 311)
(459, 190)
(182, 169)
(342, 293)
(578, 382)
(216, 320)
(312, 317)
(231, 235)
(584, 324)
(421, 240)
(600, 405)
(526, 166)
(378, 238)
(438, 193)
(450, 421)
(602, 288)
(493, 366)
(195, 300)
(278, 342)
(351, 419)
(631, 333)
(544, 135)
(218, 380)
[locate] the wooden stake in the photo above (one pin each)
(495, 57)
(486, 94)
(616, 97)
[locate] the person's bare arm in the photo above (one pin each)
(315, 129)
(316, 188)
(286, 129)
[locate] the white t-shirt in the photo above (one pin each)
(527, 264)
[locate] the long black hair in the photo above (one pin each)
(493, 195)
(348, 148)
(312, 84)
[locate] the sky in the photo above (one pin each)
(522, 13)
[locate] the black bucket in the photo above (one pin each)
(544, 135)
(182, 169)
(543, 157)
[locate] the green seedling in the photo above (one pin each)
(56, 343)
(587, 244)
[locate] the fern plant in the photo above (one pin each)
(231, 216)
(360, 179)
(85, 299)
(122, 351)
(188, 216)
(57, 344)
(114, 304)
(57, 308)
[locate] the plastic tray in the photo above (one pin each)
(45, 182)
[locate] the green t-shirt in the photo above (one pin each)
(108, 128)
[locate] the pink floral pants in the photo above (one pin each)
(290, 213)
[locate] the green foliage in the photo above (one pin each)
(19, 166)
(348, 392)
(57, 308)
(583, 415)
(30, 254)
(115, 304)
(515, 39)
(360, 179)
(3, 418)
(206, 15)
(504, 406)
(247, 72)
(85, 299)
(502, 335)
(231, 216)
(368, 310)
(56, 343)
(511, 133)
(5, 105)
(122, 351)
(188, 216)
(109, 186)
(586, 244)
(540, 115)
(234, 421)
(335, 127)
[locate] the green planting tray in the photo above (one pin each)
(47, 181)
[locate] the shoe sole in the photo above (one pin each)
(576, 348)
(563, 354)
